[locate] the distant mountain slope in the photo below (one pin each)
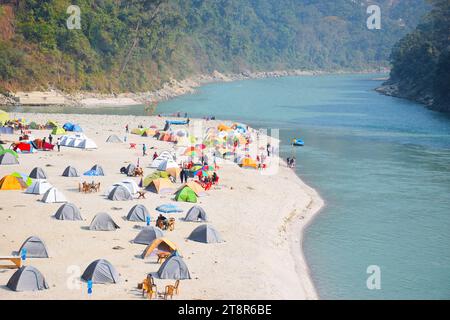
(421, 61)
(130, 45)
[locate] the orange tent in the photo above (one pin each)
(222, 127)
(162, 185)
(196, 187)
(248, 163)
(12, 183)
(174, 172)
(160, 244)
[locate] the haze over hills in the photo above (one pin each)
(139, 45)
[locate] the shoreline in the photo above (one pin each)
(169, 90)
(289, 280)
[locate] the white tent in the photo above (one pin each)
(128, 184)
(165, 155)
(53, 195)
(38, 187)
(78, 141)
(166, 164)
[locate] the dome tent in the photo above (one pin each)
(27, 278)
(96, 170)
(53, 195)
(100, 271)
(37, 173)
(39, 187)
(35, 248)
(174, 268)
(70, 172)
(206, 234)
(138, 213)
(195, 214)
(120, 193)
(148, 235)
(8, 159)
(68, 211)
(114, 139)
(103, 222)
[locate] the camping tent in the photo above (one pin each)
(114, 139)
(7, 158)
(35, 248)
(248, 163)
(58, 130)
(195, 214)
(28, 181)
(165, 155)
(27, 278)
(129, 171)
(174, 268)
(68, 211)
(24, 147)
(161, 185)
(78, 140)
(12, 183)
(131, 185)
(3, 151)
(103, 222)
(39, 187)
(196, 187)
(70, 172)
(120, 193)
(148, 235)
(101, 271)
(37, 173)
(155, 175)
(206, 234)
(159, 244)
(186, 194)
(169, 208)
(53, 195)
(166, 164)
(138, 213)
(96, 170)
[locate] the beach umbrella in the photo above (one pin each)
(169, 208)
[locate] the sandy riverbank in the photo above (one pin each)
(261, 217)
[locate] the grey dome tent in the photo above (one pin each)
(37, 173)
(35, 248)
(206, 234)
(8, 159)
(148, 235)
(103, 222)
(114, 139)
(196, 213)
(138, 213)
(100, 271)
(70, 172)
(174, 268)
(27, 278)
(129, 171)
(68, 211)
(120, 193)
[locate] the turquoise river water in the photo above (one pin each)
(382, 165)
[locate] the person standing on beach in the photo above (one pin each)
(155, 155)
(144, 149)
(268, 149)
(58, 144)
(50, 138)
(126, 128)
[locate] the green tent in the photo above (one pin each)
(28, 181)
(58, 130)
(9, 151)
(33, 125)
(155, 175)
(1, 148)
(186, 194)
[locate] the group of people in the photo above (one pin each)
(291, 162)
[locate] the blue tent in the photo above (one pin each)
(68, 126)
(95, 171)
(169, 208)
(76, 128)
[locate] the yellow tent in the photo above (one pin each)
(223, 127)
(162, 185)
(196, 187)
(149, 133)
(174, 172)
(248, 163)
(4, 117)
(160, 244)
(12, 183)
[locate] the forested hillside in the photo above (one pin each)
(130, 45)
(421, 60)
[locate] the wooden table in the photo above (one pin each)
(16, 260)
(141, 194)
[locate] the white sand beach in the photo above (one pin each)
(260, 217)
